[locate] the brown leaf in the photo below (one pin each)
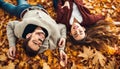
(99, 58)
(73, 66)
(46, 66)
(111, 65)
(87, 53)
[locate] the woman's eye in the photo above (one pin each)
(75, 35)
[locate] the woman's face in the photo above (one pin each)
(77, 31)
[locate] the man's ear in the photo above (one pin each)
(84, 28)
(28, 35)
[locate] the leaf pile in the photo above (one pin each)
(98, 52)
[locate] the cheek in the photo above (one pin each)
(29, 42)
(35, 48)
(35, 37)
(72, 32)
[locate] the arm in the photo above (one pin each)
(11, 39)
(10, 33)
(62, 40)
(62, 9)
(61, 44)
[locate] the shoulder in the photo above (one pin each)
(12, 22)
(61, 25)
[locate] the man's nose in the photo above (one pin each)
(40, 40)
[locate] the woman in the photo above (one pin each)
(74, 15)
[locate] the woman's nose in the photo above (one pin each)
(78, 32)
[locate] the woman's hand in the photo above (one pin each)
(66, 4)
(62, 42)
(63, 58)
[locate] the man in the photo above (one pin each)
(37, 28)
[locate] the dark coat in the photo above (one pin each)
(64, 14)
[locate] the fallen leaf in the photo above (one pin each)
(10, 65)
(99, 58)
(3, 57)
(62, 63)
(73, 66)
(46, 66)
(87, 53)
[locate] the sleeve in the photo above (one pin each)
(62, 30)
(44, 46)
(61, 11)
(63, 34)
(10, 33)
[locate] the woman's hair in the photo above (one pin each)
(103, 36)
(29, 52)
(76, 42)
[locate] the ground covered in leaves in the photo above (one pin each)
(98, 52)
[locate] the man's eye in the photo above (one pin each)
(35, 43)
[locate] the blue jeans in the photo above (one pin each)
(55, 3)
(15, 10)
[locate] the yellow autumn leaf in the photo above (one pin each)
(10, 65)
(46, 66)
(21, 64)
(3, 57)
(74, 53)
(99, 58)
(73, 66)
(87, 53)
(111, 50)
(48, 52)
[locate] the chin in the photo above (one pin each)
(82, 38)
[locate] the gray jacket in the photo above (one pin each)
(37, 17)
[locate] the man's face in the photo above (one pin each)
(37, 38)
(77, 31)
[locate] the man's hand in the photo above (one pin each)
(11, 52)
(63, 58)
(62, 42)
(66, 4)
